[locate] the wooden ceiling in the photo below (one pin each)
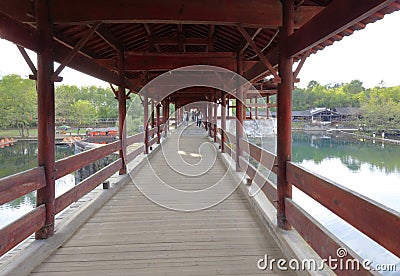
(159, 35)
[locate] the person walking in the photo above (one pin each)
(199, 117)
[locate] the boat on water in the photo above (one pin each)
(6, 142)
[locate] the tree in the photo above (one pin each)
(83, 113)
(18, 106)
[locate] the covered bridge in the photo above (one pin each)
(231, 47)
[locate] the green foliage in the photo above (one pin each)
(380, 106)
(381, 109)
(18, 105)
(83, 113)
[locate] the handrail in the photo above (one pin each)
(262, 182)
(134, 138)
(20, 229)
(321, 239)
(132, 155)
(73, 163)
(17, 185)
(86, 185)
(375, 220)
(266, 158)
(152, 141)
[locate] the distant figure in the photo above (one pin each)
(185, 118)
(383, 134)
(199, 117)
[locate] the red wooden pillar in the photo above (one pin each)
(205, 116)
(122, 111)
(153, 119)
(284, 113)
(267, 107)
(158, 123)
(146, 122)
(166, 116)
(46, 116)
(223, 120)
(215, 119)
(209, 116)
(239, 114)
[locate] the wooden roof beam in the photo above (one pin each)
(321, 27)
(259, 53)
(246, 43)
(105, 34)
(27, 37)
(151, 34)
(19, 33)
(251, 13)
(183, 40)
(210, 36)
(77, 48)
(167, 61)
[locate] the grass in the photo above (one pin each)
(6, 133)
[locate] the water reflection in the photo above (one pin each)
(20, 157)
(360, 165)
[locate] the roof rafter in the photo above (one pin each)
(224, 12)
(104, 32)
(322, 27)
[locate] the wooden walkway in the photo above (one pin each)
(131, 235)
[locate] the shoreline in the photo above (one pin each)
(391, 141)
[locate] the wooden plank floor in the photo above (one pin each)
(132, 235)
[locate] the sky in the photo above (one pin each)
(369, 55)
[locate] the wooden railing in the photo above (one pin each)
(17, 185)
(376, 221)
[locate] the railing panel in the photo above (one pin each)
(19, 230)
(73, 163)
(152, 141)
(320, 239)
(152, 131)
(265, 185)
(132, 155)
(373, 219)
(266, 158)
(86, 185)
(137, 138)
(230, 151)
(17, 185)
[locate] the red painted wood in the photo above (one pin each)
(373, 219)
(251, 13)
(321, 27)
(134, 153)
(87, 185)
(223, 121)
(263, 156)
(17, 185)
(18, 33)
(137, 138)
(158, 122)
(320, 238)
(284, 114)
(46, 116)
(163, 62)
(266, 186)
(146, 123)
(152, 141)
(14, 233)
(122, 111)
(73, 163)
(239, 114)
